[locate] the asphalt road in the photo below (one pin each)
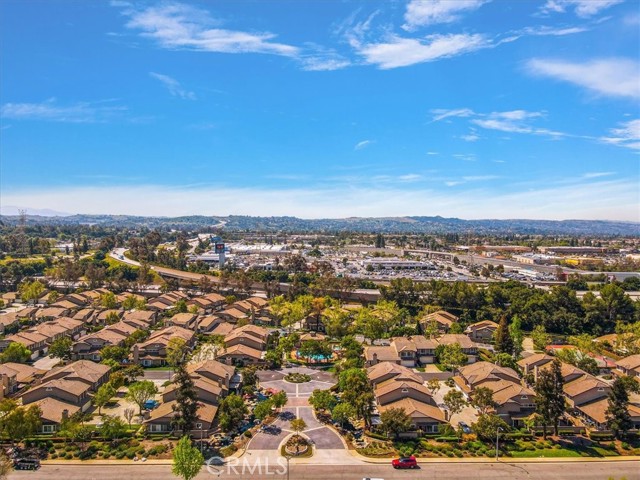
(431, 471)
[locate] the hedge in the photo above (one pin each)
(447, 439)
(600, 436)
(377, 436)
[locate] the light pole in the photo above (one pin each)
(288, 457)
(498, 430)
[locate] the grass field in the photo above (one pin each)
(593, 451)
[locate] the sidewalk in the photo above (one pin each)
(358, 459)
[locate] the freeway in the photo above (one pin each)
(554, 470)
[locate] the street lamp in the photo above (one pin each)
(288, 457)
(498, 430)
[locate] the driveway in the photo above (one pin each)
(323, 437)
(468, 414)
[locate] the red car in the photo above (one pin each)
(405, 462)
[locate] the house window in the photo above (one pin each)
(523, 397)
(405, 390)
(48, 389)
(48, 428)
(600, 389)
(198, 425)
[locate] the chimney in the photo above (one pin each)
(226, 379)
(375, 359)
(136, 354)
(65, 414)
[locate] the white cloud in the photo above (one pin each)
(471, 137)
(324, 61)
(401, 52)
(617, 77)
(173, 86)
(597, 174)
(362, 144)
(180, 26)
(410, 177)
(611, 200)
(582, 8)
(513, 121)
(626, 135)
(50, 110)
(442, 113)
(430, 12)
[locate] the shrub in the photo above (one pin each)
(119, 455)
(248, 434)
(377, 436)
(69, 456)
(54, 456)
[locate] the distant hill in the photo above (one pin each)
(409, 225)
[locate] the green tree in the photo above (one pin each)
(550, 397)
(140, 392)
(343, 412)
(454, 402)
(186, 406)
(540, 337)
(395, 421)
(61, 348)
(263, 409)
(617, 413)
(15, 353)
(487, 427)
(133, 372)
(104, 394)
(113, 427)
(451, 356)
(502, 337)
(356, 390)
(18, 422)
(31, 291)
(298, 425)
(176, 350)
(279, 399)
(108, 300)
(231, 412)
(114, 352)
(187, 459)
(517, 336)
(483, 400)
(322, 400)
(433, 386)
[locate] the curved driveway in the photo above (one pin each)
(297, 406)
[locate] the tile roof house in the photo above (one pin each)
(629, 365)
(250, 335)
(241, 355)
(90, 373)
(153, 351)
(88, 347)
(585, 389)
(477, 374)
(160, 418)
(53, 412)
(443, 320)
(384, 371)
(69, 391)
(407, 351)
(424, 416)
(482, 331)
(184, 320)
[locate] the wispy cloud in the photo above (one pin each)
(582, 8)
(442, 113)
(420, 12)
(50, 110)
(397, 51)
(173, 86)
(616, 77)
(471, 137)
(589, 175)
(362, 144)
(626, 135)
(181, 26)
(513, 121)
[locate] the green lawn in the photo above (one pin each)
(165, 368)
(594, 451)
(546, 452)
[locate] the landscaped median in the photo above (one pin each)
(520, 447)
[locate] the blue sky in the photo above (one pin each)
(467, 108)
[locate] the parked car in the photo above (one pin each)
(26, 464)
(405, 462)
(464, 427)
